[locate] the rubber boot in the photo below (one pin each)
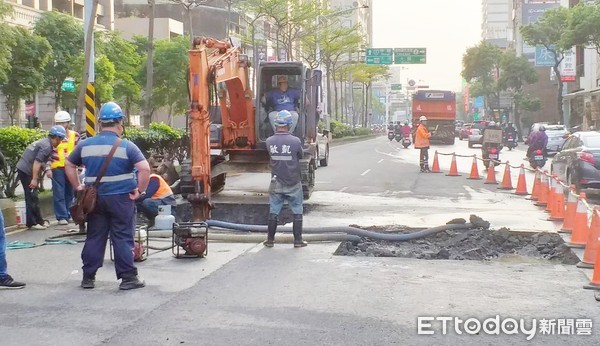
(271, 229)
(297, 230)
(130, 281)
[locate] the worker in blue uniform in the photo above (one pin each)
(118, 190)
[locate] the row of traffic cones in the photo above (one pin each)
(548, 192)
(491, 174)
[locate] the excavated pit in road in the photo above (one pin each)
(472, 244)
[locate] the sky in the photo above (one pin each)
(445, 27)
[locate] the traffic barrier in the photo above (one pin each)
(595, 283)
(506, 182)
(551, 194)
(543, 195)
(580, 224)
(453, 168)
(535, 192)
(521, 183)
(491, 174)
(435, 168)
(558, 201)
(593, 244)
(570, 213)
(474, 171)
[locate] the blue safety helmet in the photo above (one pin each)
(283, 118)
(58, 131)
(110, 111)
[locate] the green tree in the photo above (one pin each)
(65, 36)
(170, 75)
(104, 73)
(30, 55)
(582, 26)
(481, 67)
(517, 72)
(366, 75)
(7, 39)
(550, 31)
(126, 61)
(13, 142)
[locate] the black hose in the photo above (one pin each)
(343, 229)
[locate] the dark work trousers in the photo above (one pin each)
(62, 194)
(115, 217)
(32, 202)
(424, 158)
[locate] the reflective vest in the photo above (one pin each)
(63, 150)
(422, 137)
(164, 190)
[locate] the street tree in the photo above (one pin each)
(65, 36)
(170, 75)
(104, 81)
(29, 56)
(516, 73)
(366, 75)
(254, 15)
(550, 31)
(7, 38)
(582, 26)
(481, 65)
(126, 60)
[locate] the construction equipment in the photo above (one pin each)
(228, 124)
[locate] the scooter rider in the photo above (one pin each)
(406, 130)
(538, 141)
(485, 145)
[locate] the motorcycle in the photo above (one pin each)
(406, 141)
(491, 152)
(391, 135)
(511, 142)
(398, 137)
(537, 159)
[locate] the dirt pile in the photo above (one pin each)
(474, 244)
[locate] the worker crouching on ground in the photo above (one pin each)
(422, 142)
(158, 193)
(285, 151)
(28, 170)
(62, 190)
(118, 189)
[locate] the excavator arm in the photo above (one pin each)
(215, 63)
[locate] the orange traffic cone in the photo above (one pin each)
(551, 194)
(595, 283)
(506, 183)
(558, 210)
(491, 174)
(453, 169)
(436, 164)
(543, 195)
(580, 224)
(593, 243)
(521, 183)
(535, 192)
(474, 171)
(570, 214)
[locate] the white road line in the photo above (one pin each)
(365, 172)
(343, 188)
(256, 248)
(380, 161)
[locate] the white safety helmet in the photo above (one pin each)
(492, 123)
(423, 118)
(62, 117)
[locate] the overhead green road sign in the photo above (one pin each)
(396, 86)
(410, 55)
(379, 56)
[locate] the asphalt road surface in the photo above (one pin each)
(244, 294)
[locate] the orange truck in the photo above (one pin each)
(439, 106)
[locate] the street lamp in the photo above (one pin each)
(356, 6)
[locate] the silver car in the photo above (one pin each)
(556, 137)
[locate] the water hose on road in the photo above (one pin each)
(346, 229)
(257, 238)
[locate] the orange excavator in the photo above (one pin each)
(228, 124)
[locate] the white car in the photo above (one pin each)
(556, 137)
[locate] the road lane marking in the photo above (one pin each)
(365, 172)
(343, 188)
(380, 161)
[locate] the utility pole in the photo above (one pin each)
(87, 94)
(149, 68)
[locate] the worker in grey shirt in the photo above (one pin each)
(285, 151)
(28, 168)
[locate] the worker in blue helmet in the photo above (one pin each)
(115, 212)
(285, 151)
(29, 167)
